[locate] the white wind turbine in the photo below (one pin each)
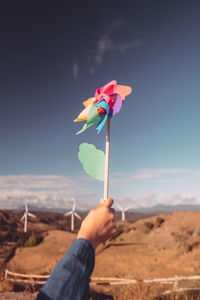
(73, 213)
(25, 216)
(123, 210)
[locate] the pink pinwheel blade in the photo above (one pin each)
(106, 89)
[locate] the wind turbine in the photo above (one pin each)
(73, 213)
(25, 216)
(123, 210)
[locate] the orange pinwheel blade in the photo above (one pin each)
(122, 90)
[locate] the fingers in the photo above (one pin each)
(107, 202)
(102, 201)
(112, 210)
(112, 231)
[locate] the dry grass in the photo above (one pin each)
(140, 292)
(136, 254)
(5, 286)
(169, 248)
(42, 258)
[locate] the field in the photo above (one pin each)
(145, 247)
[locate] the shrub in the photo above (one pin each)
(188, 247)
(159, 220)
(148, 225)
(190, 230)
(32, 241)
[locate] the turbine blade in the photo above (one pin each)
(26, 205)
(74, 205)
(77, 216)
(31, 215)
(68, 213)
(22, 218)
(127, 208)
(120, 208)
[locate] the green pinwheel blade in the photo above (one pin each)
(93, 160)
(93, 117)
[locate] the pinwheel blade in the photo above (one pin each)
(122, 90)
(117, 105)
(93, 117)
(88, 101)
(83, 115)
(103, 119)
(106, 89)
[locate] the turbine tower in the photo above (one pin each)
(25, 216)
(73, 213)
(123, 210)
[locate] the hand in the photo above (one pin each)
(99, 225)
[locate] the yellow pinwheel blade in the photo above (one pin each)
(88, 101)
(83, 116)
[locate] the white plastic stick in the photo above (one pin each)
(106, 178)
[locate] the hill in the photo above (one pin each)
(158, 246)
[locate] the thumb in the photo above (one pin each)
(107, 202)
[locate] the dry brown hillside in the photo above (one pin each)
(159, 246)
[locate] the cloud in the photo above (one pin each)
(172, 180)
(148, 199)
(151, 187)
(49, 191)
(155, 173)
(180, 199)
(145, 200)
(109, 41)
(104, 44)
(147, 174)
(35, 182)
(75, 69)
(153, 199)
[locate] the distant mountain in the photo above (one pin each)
(32, 208)
(167, 208)
(145, 210)
(43, 209)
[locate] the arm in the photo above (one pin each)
(70, 278)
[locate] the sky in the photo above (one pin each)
(54, 55)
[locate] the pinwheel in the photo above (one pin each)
(105, 104)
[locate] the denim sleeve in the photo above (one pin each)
(70, 278)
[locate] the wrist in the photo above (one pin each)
(86, 236)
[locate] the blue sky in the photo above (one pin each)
(54, 56)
